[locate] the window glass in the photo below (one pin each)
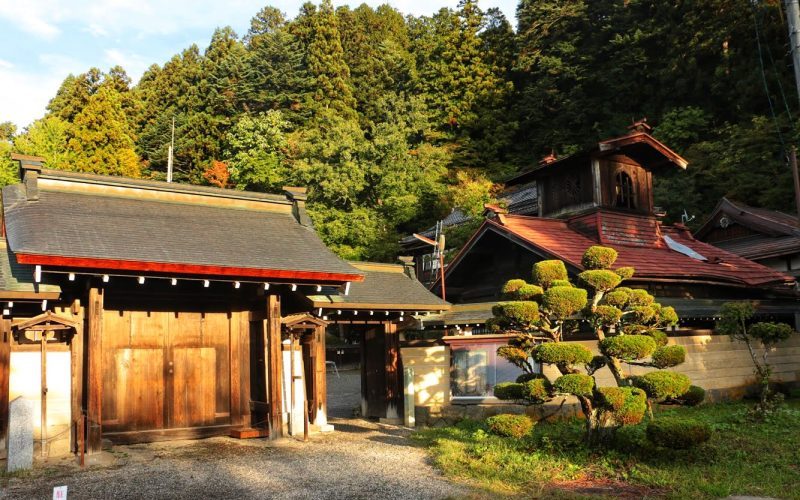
(476, 369)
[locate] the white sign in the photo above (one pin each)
(60, 493)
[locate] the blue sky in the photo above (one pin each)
(45, 40)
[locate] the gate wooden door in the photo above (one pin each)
(373, 373)
(165, 370)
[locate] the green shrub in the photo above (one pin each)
(521, 312)
(601, 280)
(668, 356)
(770, 333)
(561, 283)
(626, 404)
(693, 397)
(559, 353)
(547, 271)
(577, 384)
(667, 316)
(662, 384)
(536, 391)
(678, 434)
(625, 272)
(658, 336)
(564, 301)
(513, 354)
(511, 287)
(509, 425)
(529, 292)
(509, 391)
(529, 388)
(617, 298)
(640, 297)
(598, 257)
(642, 314)
(628, 347)
(630, 438)
(607, 315)
(528, 376)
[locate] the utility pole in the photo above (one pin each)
(171, 149)
(793, 21)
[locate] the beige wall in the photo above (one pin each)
(431, 373)
(714, 362)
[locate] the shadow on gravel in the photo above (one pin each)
(394, 441)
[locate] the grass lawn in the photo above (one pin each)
(742, 458)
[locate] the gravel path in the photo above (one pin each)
(361, 460)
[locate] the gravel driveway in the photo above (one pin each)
(360, 460)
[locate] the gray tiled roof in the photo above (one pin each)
(461, 314)
(384, 285)
(100, 226)
(16, 277)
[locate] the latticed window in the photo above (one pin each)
(624, 190)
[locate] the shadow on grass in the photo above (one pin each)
(742, 458)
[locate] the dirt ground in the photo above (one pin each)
(360, 460)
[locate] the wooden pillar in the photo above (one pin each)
(76, 384)
(5, 372)
(94, 368)
(274, 365)
(394, 373)
(320, 414)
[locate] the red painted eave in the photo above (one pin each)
(185, 269)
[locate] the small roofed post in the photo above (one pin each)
(298, 197)
(29, 169)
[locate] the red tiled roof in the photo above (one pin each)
(651, 261)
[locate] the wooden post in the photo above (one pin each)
(76, 384)
(796, 177)
(5, 371)
(320, 377)
(94, 386)
(43, 423)
(394, 373)
(274, 366)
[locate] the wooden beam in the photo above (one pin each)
(5, 371)
(176, 268)
(94, 367)
(274, 364)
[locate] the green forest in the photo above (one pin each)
(392, 120)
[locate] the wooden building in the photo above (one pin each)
(768, 237)
(601, 196)
(171, 304)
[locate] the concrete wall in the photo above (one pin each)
(714, 362)
(26, 381)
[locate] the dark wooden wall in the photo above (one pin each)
(642, 181)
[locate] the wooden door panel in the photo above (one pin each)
(194, 386)
(140, 389)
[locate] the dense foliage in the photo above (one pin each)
(625, 322)
(509, 425)
(390, 121)
(736, 320)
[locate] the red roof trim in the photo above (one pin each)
(132, 265)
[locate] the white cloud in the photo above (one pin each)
(5, 64)
(25, 94)
(134, 64)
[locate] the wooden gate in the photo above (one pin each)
(166, 370)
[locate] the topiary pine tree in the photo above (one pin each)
(626, 322)
(736, 322)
